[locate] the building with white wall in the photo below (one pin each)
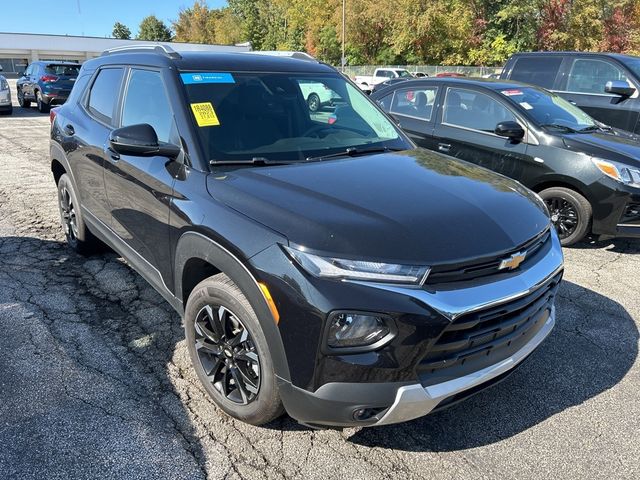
(17, 50)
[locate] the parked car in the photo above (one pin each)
(450, 74)
(317, 94)
(380, 75)
(6, 107)
(604, 85)
(333, 270)
(47, 84)
(587, 172)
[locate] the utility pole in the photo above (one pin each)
(344, 16)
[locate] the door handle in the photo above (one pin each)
(112, 154)
(444, 147)
(69, 130)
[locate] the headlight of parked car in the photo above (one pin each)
(620, 172)
(338, 268)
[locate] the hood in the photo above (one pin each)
(618, 145)
(415, 207)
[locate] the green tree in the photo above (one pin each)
(195, 24)
(121, 31)
(152, 29)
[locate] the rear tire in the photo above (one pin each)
(230, 353)
(43, 107)
(22, 101)
(78, 235)
(570, 213)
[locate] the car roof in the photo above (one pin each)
(573, 53)
(213, 61)
(493, 84)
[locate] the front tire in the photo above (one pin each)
(570, 213)
(79, 238)
(230, 353)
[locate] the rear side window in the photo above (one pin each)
(540, 71)
(146, 101)
(589, 75)
(414, 102)
(104, 93)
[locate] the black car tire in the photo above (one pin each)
(570, 213)
(22, 101)
(313, 102)
(223, 361)
(78, 235)
(43, 107)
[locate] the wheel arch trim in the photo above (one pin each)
(192, 245)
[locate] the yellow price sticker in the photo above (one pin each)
(205, 114)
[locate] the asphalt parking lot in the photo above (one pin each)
(95, 380)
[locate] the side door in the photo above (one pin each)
(465, 129)
(414, 110)
(139, 189)
(584, 86)
(87, 130)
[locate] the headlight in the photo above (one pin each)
(622, 173)
(357, 329)
(338, 268)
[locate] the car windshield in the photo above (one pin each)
(633, 64)
(69, 70)
(240, 116)
(548, 109)
(403, 73)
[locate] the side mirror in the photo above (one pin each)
(141, 140)
(618, 87)
(510, 129)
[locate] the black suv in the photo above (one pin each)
(322, 263)
(605, 85)
(47, 84)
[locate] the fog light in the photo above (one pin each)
(351, 329)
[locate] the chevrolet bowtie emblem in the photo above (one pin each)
(513, 261)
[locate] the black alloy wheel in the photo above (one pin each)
(564, 216)
(68, 215)
(227, 354)
(570, 213)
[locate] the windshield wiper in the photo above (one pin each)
(593, 128)
(353, 151)
(559, 127)
(252, 161)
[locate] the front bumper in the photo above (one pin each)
(336, 403)
(414, 401)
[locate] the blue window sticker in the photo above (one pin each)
(206, 77)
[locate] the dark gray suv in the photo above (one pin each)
(47, 84)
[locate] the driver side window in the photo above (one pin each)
(474, 110)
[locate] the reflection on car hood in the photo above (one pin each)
(412, 207)
(618, 145)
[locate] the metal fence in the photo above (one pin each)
(430, 70)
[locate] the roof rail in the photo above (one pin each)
(161, 49)
(280, 53)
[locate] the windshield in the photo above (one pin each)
(633, 64)
(549, 109)
(403, 73)
(69, 70)
(284, 116)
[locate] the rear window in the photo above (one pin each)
(68, 70)
(540, 71)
